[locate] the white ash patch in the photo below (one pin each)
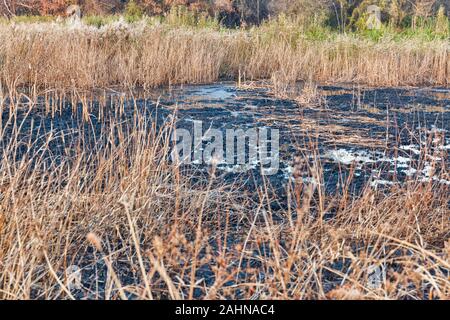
(348, 157)
(412, 147)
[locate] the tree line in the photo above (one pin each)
(237, 12)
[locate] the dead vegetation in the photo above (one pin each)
(138, 227)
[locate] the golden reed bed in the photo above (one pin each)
(58, 56)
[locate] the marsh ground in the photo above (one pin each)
(363, 181)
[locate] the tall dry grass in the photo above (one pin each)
(56, 55)
(138, 227)
(111, 203)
